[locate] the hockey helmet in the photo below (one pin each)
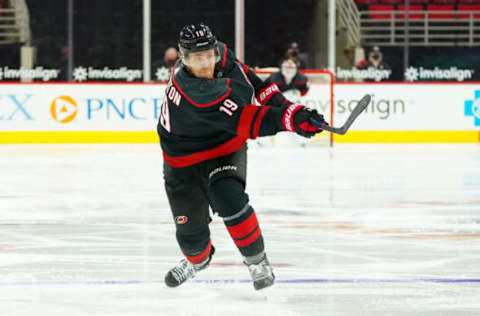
(195, 38)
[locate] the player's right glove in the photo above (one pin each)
(296, 118)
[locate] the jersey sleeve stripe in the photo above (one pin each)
(252, 127)
(258, 122)
(242, 70)
(244, 67)
(206, 104)
(224, 61)
(246, 120)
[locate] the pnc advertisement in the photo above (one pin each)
(451, 111)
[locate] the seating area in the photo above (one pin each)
(421, 9)
(3, 5)
(431, 22)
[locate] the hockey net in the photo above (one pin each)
(319, 97)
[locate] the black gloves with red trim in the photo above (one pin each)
(296, 118)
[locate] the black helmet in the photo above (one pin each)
(196, 37)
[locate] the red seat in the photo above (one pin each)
(380, 7)
(419, 1)
(436, 7)
(470, 8)
(411, 16)
(444, 1)
(366, 1)
(391, 1)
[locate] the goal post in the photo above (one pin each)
(320, 97)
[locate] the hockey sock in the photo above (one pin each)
(254, 259)
(201, 257)
(245, 231)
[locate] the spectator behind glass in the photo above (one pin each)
(294, 53)
(293, 84)
(375, 60)
(164, 67)
(289, 78)
(170, 57)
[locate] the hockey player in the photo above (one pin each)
(293, 85)
(206, 118)
(289, 78)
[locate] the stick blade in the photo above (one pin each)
(361, 106)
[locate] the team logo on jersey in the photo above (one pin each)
(472, 108)
(181, 219)
(64, 109)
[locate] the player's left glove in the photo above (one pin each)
(296, 118)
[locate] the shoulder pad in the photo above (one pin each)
(299, 78)
(201, 92)
(277, 77)
(227, 57)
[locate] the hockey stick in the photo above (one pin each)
(362, 105)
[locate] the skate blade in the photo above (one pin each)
(262, 284)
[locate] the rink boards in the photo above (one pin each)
(128, 113)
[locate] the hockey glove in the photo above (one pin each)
(296, 118)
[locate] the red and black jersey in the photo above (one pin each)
(201, 119)
(299, 82)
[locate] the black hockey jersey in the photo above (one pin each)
(299, 82)
(201, 119)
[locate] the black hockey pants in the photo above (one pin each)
(220, 184)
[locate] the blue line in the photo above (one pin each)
(231, 281)
(351, 281)
(380, 281)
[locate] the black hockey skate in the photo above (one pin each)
(261, 273)
(186, 270)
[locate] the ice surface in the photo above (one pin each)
(352, 230)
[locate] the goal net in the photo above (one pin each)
(319, 97)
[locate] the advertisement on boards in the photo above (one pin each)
(445, 109)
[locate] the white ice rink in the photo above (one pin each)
(353, 230)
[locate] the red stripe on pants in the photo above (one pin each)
(202, 256)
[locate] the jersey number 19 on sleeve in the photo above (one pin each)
(228, 107)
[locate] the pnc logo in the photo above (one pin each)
(472, 108)
(64, 109)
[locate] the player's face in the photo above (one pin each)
(289, 68)
(202, 63)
